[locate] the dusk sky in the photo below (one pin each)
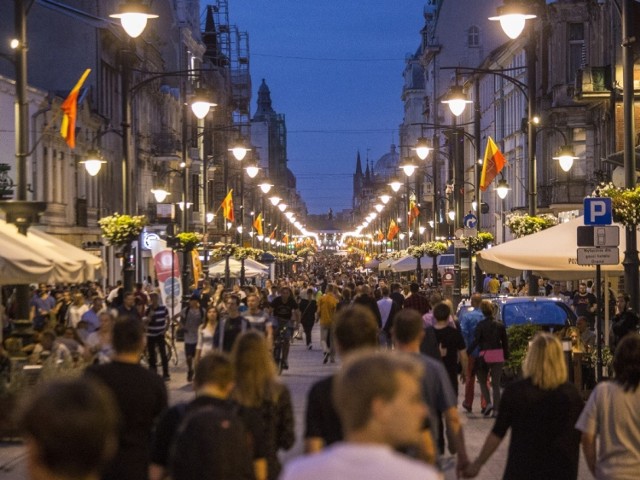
(334, 69)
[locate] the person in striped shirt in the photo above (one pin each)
(156, 321)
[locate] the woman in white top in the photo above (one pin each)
(205, 334)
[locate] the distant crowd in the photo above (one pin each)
(390, 411)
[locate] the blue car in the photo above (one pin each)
(548, 312)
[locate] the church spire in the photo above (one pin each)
(358, 165)
(210, 38)
(367, 174)
(265, 110)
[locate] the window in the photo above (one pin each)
(473, 37)
(576, 51)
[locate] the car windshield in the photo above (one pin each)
(539, 313)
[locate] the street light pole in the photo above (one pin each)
(185, 191)
(630, 262)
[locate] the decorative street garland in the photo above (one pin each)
(120, 230)
(521, 225)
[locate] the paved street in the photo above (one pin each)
(306, 368)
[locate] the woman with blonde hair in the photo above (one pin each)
(257, 387)
(541, 410)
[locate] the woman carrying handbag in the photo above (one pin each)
(491, 338)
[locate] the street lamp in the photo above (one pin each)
(502, 188)
(200, 104)
(385, 199)
(133, 16)
(422, 148)
(566, 157)
(456, 100)
(265, 187)
(513, 17)
(275, 200)
(395, 185)
(93, 162)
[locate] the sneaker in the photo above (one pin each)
(285, 366)
(326, 358)
(487, 411)
(190, 376)
(466, 407)
(309, 347)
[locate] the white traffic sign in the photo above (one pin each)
(598, 256)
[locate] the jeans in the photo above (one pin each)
(469, 386)
(496, 372)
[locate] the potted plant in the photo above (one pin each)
(625, 203)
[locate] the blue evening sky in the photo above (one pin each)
(334, 68)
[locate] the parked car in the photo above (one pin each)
(549, 312)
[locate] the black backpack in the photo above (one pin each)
(211, 443)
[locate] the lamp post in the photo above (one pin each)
(239, 153)
(631, 261)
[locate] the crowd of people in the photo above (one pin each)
(390, 411)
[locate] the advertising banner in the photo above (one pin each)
(167, 266)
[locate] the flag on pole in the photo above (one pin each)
(70, 112)
(380, 235)
(414, 211)
(393, 230)
(492, 165)
(257, 224)
(273, 234)
(285, 239)
(227, 206)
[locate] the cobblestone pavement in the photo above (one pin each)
(306, 368)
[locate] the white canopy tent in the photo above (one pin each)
(409, 263)
(551, 253)
(251, 268)
(39, 257)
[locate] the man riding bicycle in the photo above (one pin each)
(286, 310)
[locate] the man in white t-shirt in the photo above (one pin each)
(379, 402)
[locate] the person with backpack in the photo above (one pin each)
(191, 441)
(190, 320)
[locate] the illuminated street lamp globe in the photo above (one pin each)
(133, 16)
(502, 189)
(385, 199)
(566, 157)
(395, 185)
(379, 207)
(200, 105)
(456, 100)
(239, 151)
(93, 162)
(422, 148)
(252, 171)
(275, 200)
(160, 194)
(265, 187)
(512, 18)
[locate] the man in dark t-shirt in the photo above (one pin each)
(584, 304)
(140, 394)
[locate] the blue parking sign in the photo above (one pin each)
(598, 211)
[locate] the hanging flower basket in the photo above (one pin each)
(625, 203)
(478, 242)
(187, 241)
(433, 249)
(242, 253)
(227, 249)
(521, 225)
(120, 230)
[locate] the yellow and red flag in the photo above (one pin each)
(393, 230)
(380, 235)
(492, 165)
(227, 206)
(285, 238)
(414, 211)
(273, 234)
(257, 224)
(70, 112)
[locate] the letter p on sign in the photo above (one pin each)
(598, 211)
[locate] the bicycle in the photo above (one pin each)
(169, 345)
(280, 340)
